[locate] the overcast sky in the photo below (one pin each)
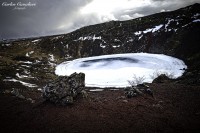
(47, 17)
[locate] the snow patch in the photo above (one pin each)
(51, 60)
(26, 66)
(29, 53)
(103, 46)
(168, 23)
(156, 28)
(197, 20)
(21, 76)
(147, 30)
(8, 44)
(39, 89)
(140, 37)
(196, 15)
(51, 57)
(130, 40)
(36, 40)
(24, 76)
(117, 40)
(116, 46)
(26, 62)
(89, 38)
(23, 83)
(51, 64)
(138, 33)
(94, 90)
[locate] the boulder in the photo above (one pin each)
(162, 79)
(64, 89)
(130, 92)
(140, 89)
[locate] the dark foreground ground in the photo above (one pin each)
(174, 108)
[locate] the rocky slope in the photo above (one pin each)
(175, 108)
(30, 62)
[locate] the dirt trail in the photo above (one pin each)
(175, 108)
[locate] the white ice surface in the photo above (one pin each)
(115, 70)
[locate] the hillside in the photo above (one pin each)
(173, 33)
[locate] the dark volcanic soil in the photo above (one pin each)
(174, 108)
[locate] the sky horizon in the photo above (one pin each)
(35, 18)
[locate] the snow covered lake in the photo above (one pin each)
(115, 70)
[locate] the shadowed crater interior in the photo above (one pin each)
(106, 61)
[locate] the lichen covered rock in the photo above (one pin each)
(140, 89)
(64, 89)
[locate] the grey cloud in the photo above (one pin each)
(158, 0)
(155, 7)
(42, 19)
(48, 15)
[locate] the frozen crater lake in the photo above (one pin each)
(114, 70)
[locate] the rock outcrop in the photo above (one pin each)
(162, 79)
(64, 89)
(140, 89)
